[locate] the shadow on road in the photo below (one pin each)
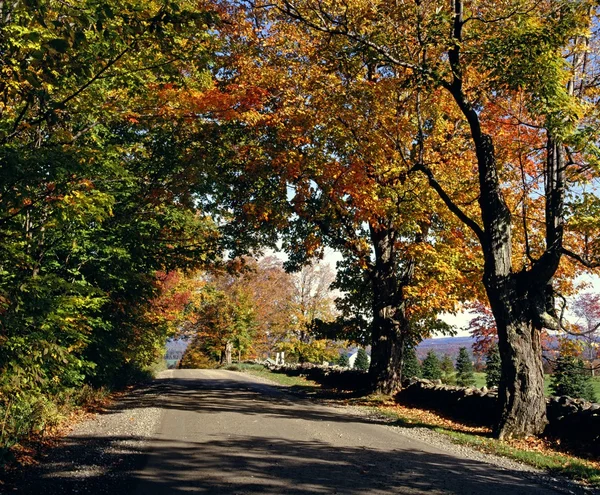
(207, 396)
(261, 463)
(270, 466)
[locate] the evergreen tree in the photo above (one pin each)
(362, 360)
(447, 367)
(571, 378)
(464, 369)
(343, 360)
(431, 367)
(411, 366)
(493, 366)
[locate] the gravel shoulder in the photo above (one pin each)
(99, 453)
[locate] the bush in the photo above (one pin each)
(465, 376)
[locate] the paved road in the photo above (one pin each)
(223, 432)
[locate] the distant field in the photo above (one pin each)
(480, 382)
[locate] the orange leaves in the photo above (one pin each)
(234, 102)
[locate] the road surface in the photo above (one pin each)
(222, 432)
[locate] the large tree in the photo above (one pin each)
(516, 132)
(91, 208)
(340, 138)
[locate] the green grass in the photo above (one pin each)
(298, 382)
(480, 382)
(565, 465)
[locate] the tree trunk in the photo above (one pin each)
(228, 351)
(521, 400)
(390, 325)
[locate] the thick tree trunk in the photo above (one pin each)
(521, 400)
(390, 325)
(386, 353)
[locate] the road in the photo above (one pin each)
(222, 432)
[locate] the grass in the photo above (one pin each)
(295, 382)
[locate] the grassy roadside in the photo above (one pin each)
(532, 451)
(297, 382)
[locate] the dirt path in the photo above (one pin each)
(221, 432)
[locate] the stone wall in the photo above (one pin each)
(572, 421)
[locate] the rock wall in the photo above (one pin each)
(472, 405)
(572, 421)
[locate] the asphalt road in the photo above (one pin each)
(221, 432)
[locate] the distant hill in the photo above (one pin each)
(444, 345)
(175, 349)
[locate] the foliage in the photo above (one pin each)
(447, 367)
(411, 366)
(431, 367)
(482, 328)
(344, 361)
(493, 367)
(362, 360)
(571, 378)
(465, 376)
(93, 214)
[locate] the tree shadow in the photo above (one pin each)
(214, 396)
(260, 455)
(266, 465)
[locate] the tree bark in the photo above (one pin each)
(390, 325)
(228, 351)
(521, 401)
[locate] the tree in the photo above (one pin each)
(411, 365)
(272, 291)
(571, 378)
(492, 93)
(343, 361)
(464, 369)
(223, 320)
(493, 367)
(431, 367)
(91, 217)
(361, 362)
(350, 187)
(447, 367)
